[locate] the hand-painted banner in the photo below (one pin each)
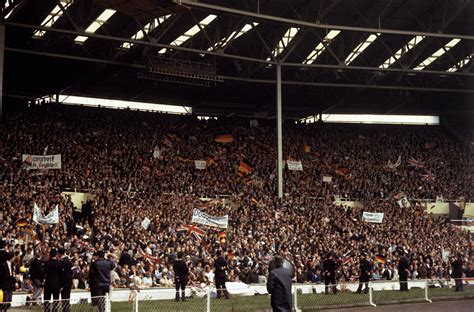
(200, 164)
(206, 219)
(404, 203)
(294, 165)
(146, 223)
(327, 179)
(372, 217)
(41, 161)
(51, 218)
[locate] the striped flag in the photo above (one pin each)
(195, 231)
(380, 258)
(222, 238)
(245, 168)
(226, 138)
(343, 171)
(22, 222)
(307, 148)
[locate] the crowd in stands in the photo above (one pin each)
(138, 165)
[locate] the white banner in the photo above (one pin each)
(41, 161)
(206, 219)
(51, 218)
(156, 152)
(372, 217)
(200, 164)
(146, 223)
(294, 165)
(327, 179)
(404, 203)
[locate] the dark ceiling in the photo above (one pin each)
(99, 67)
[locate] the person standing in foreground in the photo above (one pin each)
(7, 280)
(403, 270)
(279, 287)
(99, 279)
(67, 279)
(329, 271)
(37, 275)
(53, 270)
(457, 272)
(181, 272)
(220, 266)
(364, 276)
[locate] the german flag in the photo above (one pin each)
(380, 258)
(226, 138)
(343, 171)
(222, 238)
(210, 160)
(245, 168)
(307, 148)
(22, 222)
(254, 200)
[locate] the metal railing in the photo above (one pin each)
(305, 297)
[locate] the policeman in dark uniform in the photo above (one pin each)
(457, 272)
(403, 269)
(220, 266)
(329, 272)
(66, 280)
(364, 276)
(180, 276)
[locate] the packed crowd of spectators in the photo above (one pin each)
(138, 165)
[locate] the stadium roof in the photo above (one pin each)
(220, 56)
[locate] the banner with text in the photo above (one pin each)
(51, 218)
(206, 219)
(41, 161)
(372, 217)
(294, 165)
(200, 164)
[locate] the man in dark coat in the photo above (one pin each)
(279, 287)
(457, 272)
(329, 272)
(220, 267)
(99, 279)
(66, 279)
(36, 271)
(7, 280)
(364, 268)
(181, 271)
(403, 270)
(53, 270)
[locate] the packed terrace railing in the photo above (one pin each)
(306, 297)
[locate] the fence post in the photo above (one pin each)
(136, 301)
(107, 303)
(426, 292)
(371, 299)
(295, 294)
(208, 303)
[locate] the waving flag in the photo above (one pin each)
(307, 148)
(395, 165)
(343, 171)
(195, 231)
(227, 138)
(245, 168)
(413, 162)
(380, 258)
(429, 177)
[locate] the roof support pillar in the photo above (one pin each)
(279, 132)
(2, 55)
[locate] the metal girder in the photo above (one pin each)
(267, 81)
(208, 6)
(232, 56)
(348, 85)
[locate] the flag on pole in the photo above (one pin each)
(195, 231)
